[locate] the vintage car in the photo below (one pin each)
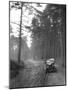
(50, 66)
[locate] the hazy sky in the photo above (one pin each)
(26, 20)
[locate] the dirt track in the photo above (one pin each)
(34, 75)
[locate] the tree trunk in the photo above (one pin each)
(19, 54)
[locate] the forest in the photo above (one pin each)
(37, 32)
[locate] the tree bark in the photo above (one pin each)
(19, 53)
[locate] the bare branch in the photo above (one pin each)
(15, 23)
(19, 25)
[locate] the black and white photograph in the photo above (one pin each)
(37, 44)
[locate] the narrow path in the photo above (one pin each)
(34, 75)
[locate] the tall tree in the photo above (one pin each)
(19, 55)
(19, 5)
